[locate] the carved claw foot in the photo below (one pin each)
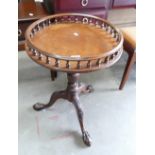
(86, 138)
(85, 88)
(39, 106)
(89, 88)
(54, 97)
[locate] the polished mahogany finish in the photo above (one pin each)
(31, 11)
(73, 43)
(74, 60)
(76, 40)
(80, 4)
(28, 12)
(93, 7)
(99, 12)
(123, 3)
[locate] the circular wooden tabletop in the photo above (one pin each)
(73, 42)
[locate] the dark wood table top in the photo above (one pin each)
(71, 39)
(68, 42)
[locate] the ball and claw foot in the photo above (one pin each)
(39, 106)
(89, 88)
(86, 138)
(84, 89)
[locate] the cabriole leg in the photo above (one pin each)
(85, 135)
(55, 96)
(73, 91)
(71, 94)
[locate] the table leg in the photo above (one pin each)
(53, 75)
(74, 88)
(85, 135)
(55, 96)
(73, 91)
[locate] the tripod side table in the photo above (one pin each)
(73, 43)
